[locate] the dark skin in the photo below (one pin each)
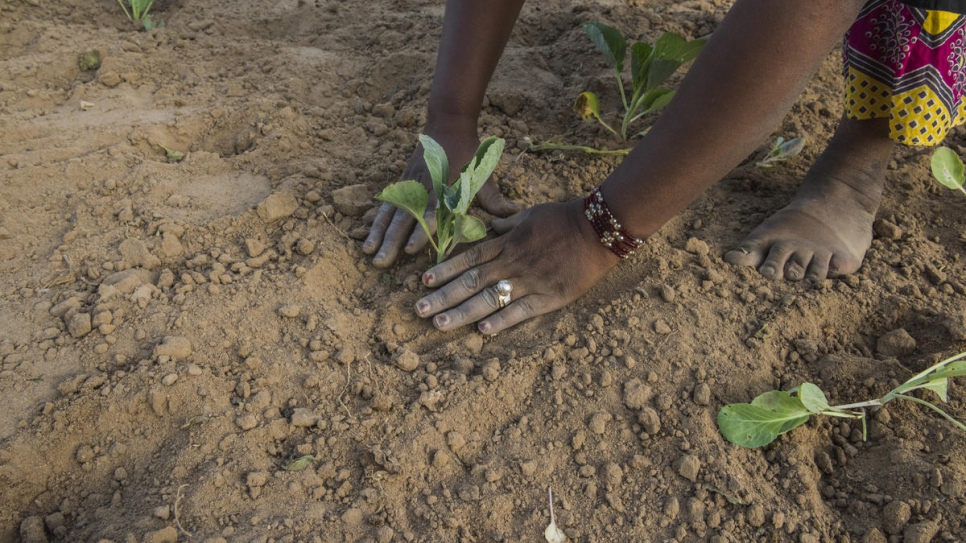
(756, 65)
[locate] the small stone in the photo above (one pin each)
(384, 534)
(32, 530)
(381, 402)
(305, 246)
(109, 79)
(162, 512)
(667, 293)
(158, 401)
(874, 535)
(896, 343)
(598, 422)
(84, 454)
(406, 360)
(921, 532)
(165, 535)
(895, 516)
(649, 420)
(473, 343)
(613, 474)
(303, 417)
(169, 379)
(886, 230)
(755, 515)
(662, 327)
(697, 247)
(278, 206)
(257, 479)
(174, 347)
(491, 370)
(290, 311)
(135, 252)
(254, 247)
(353, 516)
(528, 468)
(636, 394)
(246, 422)
(455, 440)
(79, 324)
(353, 200)
(194, 370)
(688, 467)
(702, 394)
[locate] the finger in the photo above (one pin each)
(476, 255)
(457, 291)
(493, 201)
(419, 239)
(474, 309)
(399, 229)
(501, 226)
(518, 311)
(378, 229)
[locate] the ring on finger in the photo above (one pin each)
(503, 290)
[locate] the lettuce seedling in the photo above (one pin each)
(947, 168)
(137, 11)
(782, 151)
(453, 224)
(776, 412)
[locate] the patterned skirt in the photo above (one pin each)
(908, 65)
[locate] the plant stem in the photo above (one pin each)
(870, 403)
(590, 150)
(612, 131)
(620, 85)
(945, 415)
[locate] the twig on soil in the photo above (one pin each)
(337, 229)
(177, 512)
(348, 376)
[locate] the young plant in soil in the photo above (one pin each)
(137, 11)
(453, 224)
(651, 66)
(947, 168)
(776, 412)
(782, 151)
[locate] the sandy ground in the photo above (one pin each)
(174, 334)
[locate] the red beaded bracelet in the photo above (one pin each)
(612, 235)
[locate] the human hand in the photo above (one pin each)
(549, 253)
(393, 226)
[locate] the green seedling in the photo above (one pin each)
(89, 61)
(782, 151)
(300, 463)
(947, 168)
(651, 66)
(453, 224)
(172, 155)
(776, 412)
(137, 11)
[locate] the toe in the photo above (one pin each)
(818, 267)
(794, 270)
(774, 265)
(747, 254)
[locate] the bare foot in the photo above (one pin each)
(827, 228)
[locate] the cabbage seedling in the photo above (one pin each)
(947, 168)
(782, 151)
(651, 66)
(453, 224)
(137, 11)
(776, 412)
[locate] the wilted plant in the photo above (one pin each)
(453, 224)
(782, 151)
(776, 412)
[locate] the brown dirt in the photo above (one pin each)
(173, 333)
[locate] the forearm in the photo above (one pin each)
(749, 75)
(474, 35)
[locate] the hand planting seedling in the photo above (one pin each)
(137, 11)
(947, 168)
(651, 66)
(782, 151)
(776, 412)
(453, 224)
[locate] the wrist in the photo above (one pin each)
(604, 256)
(608, 229)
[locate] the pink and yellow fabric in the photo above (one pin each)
(908, 65)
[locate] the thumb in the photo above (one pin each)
(502, 226)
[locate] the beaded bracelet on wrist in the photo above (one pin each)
(610, 232)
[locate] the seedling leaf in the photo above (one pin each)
(436, 161)
(468, 229)
(641, 56)
(782, 150)
(479, 169)
(947, 168)
(299, 464)
(409, 196)
(610, 42)
(587, 106)
(813, 398)
(940, 387)
(754, 426)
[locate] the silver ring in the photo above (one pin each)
(503, 290)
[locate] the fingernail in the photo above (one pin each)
(484, 327)
(422, 307)
(428, 279)
(441, 320)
